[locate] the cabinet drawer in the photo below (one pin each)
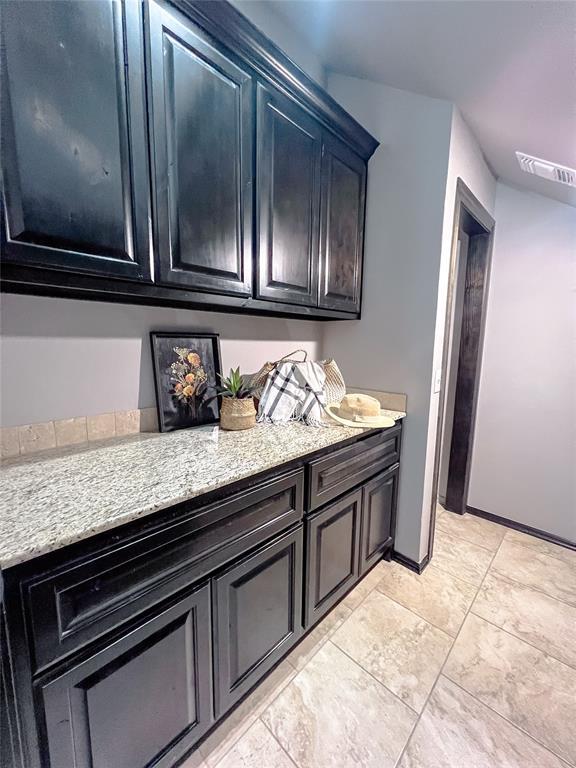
(332, 555)
(80, 601)
(143, 700)
(344, 469)
(378, 516)
(257, 616)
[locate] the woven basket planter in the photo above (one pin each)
(237, 414)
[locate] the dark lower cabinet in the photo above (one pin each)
(202, 145)
(142, 701)
(342, 229)
(74, 151)
(288, 142)
(332, 549)
(257, 616)
(378, 510)
(124, 650)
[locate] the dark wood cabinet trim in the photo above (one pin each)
(136, 263)
(369, 556)
(21, 279)
(231, 685)
(226, 23)
(65, 705)
(272, 107)
(162, 22)
(335, 150)
(317, 603)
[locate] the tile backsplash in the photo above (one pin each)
(31, 438)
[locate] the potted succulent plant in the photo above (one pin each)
(237, 410)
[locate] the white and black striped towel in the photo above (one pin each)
(293, 392)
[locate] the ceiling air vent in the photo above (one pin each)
(547, 170)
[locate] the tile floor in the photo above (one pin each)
(470, 665)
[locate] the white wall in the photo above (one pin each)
(274, 26)
(391, 347)
(61, 358)
(524, 454)
(467, 163)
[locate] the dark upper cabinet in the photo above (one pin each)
(169, 145)
(74, 154)
(289, 146)
(257, 616)
(202, 146)
(141, 701)
(378, 511)
(342, 229)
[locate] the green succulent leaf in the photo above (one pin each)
(235, 385)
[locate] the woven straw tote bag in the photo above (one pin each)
(335, 388)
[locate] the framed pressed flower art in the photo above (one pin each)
(186, 371)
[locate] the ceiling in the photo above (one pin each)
(510, 66)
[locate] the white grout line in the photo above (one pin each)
(510, 722)
(483, 703)
(520, 639)
(327, 638)
(285, 751)
(433, 688)
(380, 683)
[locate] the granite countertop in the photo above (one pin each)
(51, 500)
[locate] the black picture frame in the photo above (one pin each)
(176, 408)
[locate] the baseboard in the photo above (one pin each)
(407, 562)
(551, 537)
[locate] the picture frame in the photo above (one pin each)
(187, 367)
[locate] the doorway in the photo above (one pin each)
(461, 359)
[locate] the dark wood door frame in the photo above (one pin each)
(470, 217)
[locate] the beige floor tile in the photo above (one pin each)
(398, 648)
(363, 589)
(457, 731)
(524, 685)
(335, 715)
(437, 596)
(547, 574)
(460, 558)
(542, 546)
(532, 616)
(474, 529)
(315, 639)
(256, 749)
(225, 736)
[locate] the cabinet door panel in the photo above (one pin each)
(333, 538)
(288, 172)
(343, 202)
(258, 608)
(143, 695)
(202, 116)
(378, 512)
(74, 150)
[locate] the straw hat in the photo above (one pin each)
(359, 411)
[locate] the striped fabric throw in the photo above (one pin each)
(293, 392)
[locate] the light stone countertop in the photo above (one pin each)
(51, 500)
